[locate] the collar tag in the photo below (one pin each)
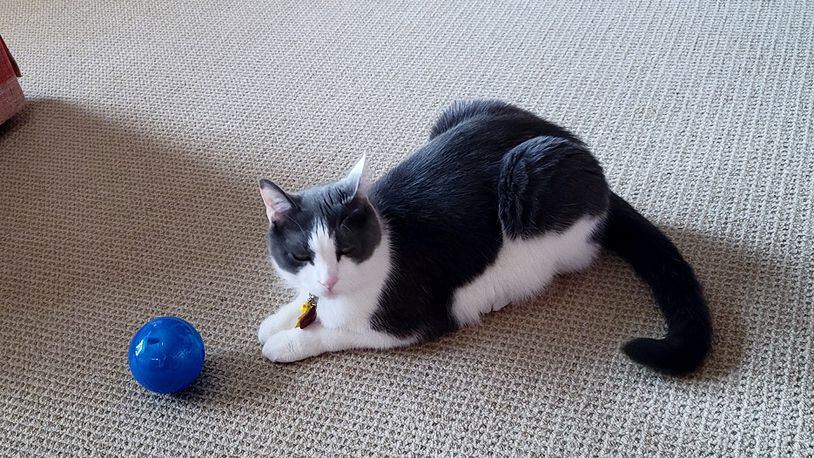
(308, 312)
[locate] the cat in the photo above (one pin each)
(490, 210)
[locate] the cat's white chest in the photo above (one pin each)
(523, 268)
(349, 312)
(334, 313)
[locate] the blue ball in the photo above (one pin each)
(166, 355)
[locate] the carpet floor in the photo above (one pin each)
(128, 191)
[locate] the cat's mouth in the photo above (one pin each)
(328, 291)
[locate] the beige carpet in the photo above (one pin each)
(127, 191)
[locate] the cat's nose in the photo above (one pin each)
(330, 282)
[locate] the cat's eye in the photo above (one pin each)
(345, 251)
(301, 257)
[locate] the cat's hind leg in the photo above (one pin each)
(546, 184)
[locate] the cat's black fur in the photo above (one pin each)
(491, 168)
(490, 158)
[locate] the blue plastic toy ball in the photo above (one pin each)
(166, 355)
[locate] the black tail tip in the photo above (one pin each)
(672, 356)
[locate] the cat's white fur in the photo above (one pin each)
(522, 268)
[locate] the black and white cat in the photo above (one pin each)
(495, 205)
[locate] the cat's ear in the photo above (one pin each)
(357, 177)
(278, 203)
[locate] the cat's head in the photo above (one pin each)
(321, 239)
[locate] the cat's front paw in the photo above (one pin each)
(273, 324)
(289, 346)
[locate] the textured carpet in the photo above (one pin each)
(127, 191)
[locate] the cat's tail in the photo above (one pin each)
(676, 290)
